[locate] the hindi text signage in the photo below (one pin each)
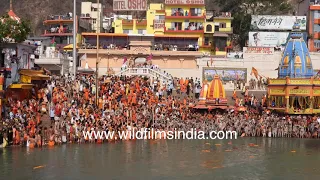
(258, 50)
(270, 22)
(189, 2)
(299, 91)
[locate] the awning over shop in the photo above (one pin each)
(220, 35)
(20, 86)
(70, 46)
(26, 75)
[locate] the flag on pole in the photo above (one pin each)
(254, 72)
(125, 60)
(149, 58)
(53, 40)
(83, 57)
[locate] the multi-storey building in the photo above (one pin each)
(182, 25)
(59, 34)
(176, 35)
(93, 12)
(314, 26)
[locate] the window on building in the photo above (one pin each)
(142, 31)
(177, 12)
(176, 26)
(316, 14)
(160, 17)
(316, 28)
(196, 11)
(222, 25)
(126, 31)
(216, 28)
(94, 9)
(94, 21)
(209, 28)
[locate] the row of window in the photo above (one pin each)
(130, 31)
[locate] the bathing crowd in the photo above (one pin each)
(64, 107)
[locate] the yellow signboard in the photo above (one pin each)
(300, 81)
(277, 81)
(316, 82)
(25, 79)
(300, 91)
(277, 91)
(316, 92)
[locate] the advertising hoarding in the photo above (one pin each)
(258, 50)
(268, 22)
(268, 39)
(130, 5)
(189, 2)
(226, 74)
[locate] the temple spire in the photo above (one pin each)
(11, 8)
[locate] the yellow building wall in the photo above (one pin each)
(151, 16)
(157, 9)
(228, 24)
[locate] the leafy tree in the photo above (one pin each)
(242, 10)
(16, 30)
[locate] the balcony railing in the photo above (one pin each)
(141, 22)
(160, 11)
(189, 15)
(186, 30)
(127, 22)
(223, 15)
(59, 17)
(64, 31)
(53, 55)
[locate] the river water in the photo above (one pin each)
(172, 159)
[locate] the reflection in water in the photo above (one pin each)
(248, 158)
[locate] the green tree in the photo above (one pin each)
(16, 30)
(242, 10)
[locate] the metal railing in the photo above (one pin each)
(59, 17)
(144, 72)
(53, 55)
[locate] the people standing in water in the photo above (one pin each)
(127, 103)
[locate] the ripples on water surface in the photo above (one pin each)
(172, 159)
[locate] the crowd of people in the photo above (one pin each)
(122, 103)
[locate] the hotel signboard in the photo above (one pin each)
(130, 5)
(158, 23)
(188, 2)
(270, 22)
(258, 50)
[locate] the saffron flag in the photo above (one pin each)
(149, 58)
(125, 60)
(254, 72)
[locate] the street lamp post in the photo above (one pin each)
(74, 49)
(98, 46)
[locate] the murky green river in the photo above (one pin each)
(269, 159)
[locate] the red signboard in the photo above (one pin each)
(188, 2)
(130, 5)
(258, 50)
(158, 24)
